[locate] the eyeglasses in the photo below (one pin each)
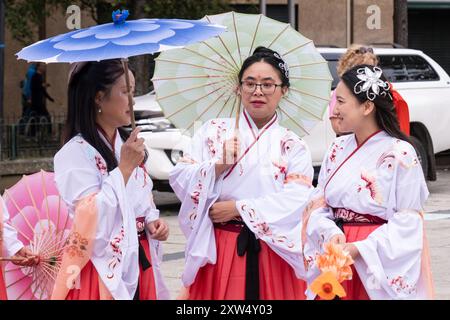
(363, 50)
(266, 88)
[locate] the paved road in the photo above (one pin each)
(437, 224)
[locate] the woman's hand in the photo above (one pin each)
(24, 257)
(159, 230)
(132, 154)
(352, 249)
(223, 211)
(338, 239)
(230, 154)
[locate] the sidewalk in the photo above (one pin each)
(437, 232)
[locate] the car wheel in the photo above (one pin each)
(421, 154)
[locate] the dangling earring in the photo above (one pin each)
(99, 110)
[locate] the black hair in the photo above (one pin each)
(385, 113)
(84, 85)
(271, 57)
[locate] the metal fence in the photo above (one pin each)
(30, 137)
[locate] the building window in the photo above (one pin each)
(274, 11)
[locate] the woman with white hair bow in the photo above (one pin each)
(372, 185)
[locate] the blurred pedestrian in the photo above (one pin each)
(39, 95)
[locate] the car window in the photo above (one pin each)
(404, 68)
(419, 69)
(393, 68)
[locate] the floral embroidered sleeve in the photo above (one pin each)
(318, 225)
(193, 180)
(391, 256)
(276, 218)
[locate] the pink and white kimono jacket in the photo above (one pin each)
(271, 185)
(81, 171)
(381, 178)
(11, 244)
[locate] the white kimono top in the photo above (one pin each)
(80, 170)
(11, 244)
(271, 185)
(382, 178)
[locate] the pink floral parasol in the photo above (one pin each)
(43, 224)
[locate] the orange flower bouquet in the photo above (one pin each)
(334, 264)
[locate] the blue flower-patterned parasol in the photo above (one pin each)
(120, 39)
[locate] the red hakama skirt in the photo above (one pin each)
(225, 280)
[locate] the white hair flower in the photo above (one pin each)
(371, 84)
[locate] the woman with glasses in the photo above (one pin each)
(372, 185)
(243, 193)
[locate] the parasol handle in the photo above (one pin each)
(11, 259)
(238, 114)
(130, 97)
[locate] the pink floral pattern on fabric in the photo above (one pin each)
(387, 159)
(115, 246)
(211, 147)
(288, 142)
(400, 285)
(335, 149)
(195, 196)
(280, 170)
(405, 155)
(93, 155)
(101, 165)
(262, 229)
(215, 142)
(370, 184)
(400, 154)
(286, 145)
(313, 205)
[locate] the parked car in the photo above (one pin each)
(419, 79)
(164, 142)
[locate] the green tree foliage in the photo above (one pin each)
(26, 20)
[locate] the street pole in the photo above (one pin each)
(2, 54)
(263, 7)
(349, 36)
(291, 8)
(401, 22)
